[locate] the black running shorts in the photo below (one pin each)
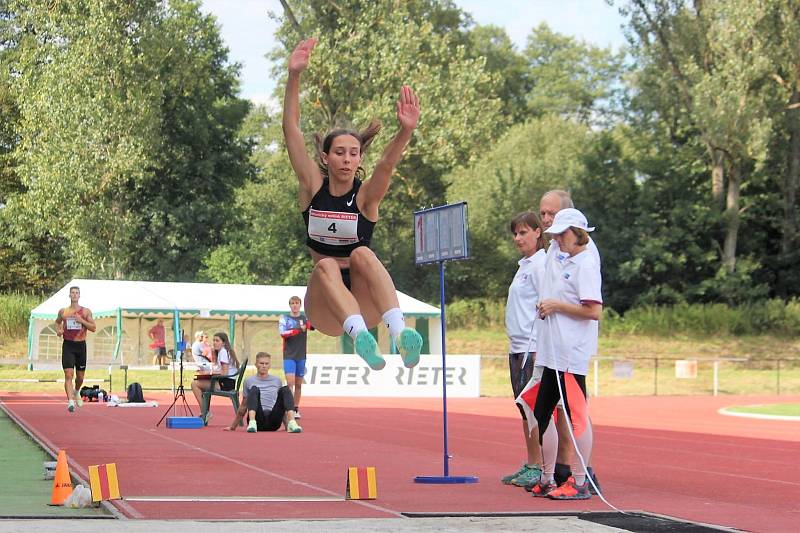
(73, 355)
(346, 277)
(520, 376)
(227, 384)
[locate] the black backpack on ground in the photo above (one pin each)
(135, 394)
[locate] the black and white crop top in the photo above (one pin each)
(334, 225)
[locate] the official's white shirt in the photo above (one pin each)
(565, 343)
(554, 251)
(591, 248)
(523, 295)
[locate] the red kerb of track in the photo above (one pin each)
(668, 455)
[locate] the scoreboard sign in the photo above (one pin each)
(441, 234)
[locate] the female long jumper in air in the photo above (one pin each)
(349, 289)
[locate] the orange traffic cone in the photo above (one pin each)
(62, 484)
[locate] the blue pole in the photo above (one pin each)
(444, 370)
(176, 329)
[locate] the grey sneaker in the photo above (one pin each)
(506, 480)
(529, 478)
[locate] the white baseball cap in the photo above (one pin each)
(568, 218)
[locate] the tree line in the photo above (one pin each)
(127, 152)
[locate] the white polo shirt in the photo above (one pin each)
(523, 295)
(591, 248)
(566, 343)
(554, 251)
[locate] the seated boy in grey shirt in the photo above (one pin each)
(266, 401)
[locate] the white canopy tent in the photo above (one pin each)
(126, 310)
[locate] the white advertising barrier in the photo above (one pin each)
(349, 375)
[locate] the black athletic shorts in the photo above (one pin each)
(346, 278)
(520, 376)
(73, 355)
(227, 384)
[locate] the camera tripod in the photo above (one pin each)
(180, 392)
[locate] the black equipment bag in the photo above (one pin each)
(135, 394)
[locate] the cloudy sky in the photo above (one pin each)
(247, 28)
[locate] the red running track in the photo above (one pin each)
(667, 455)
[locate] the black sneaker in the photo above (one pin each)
(596, 484)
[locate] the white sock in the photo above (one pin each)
(353, 325)
(395, 321)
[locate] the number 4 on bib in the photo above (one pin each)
(332, 227)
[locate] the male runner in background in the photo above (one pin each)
(71, 324)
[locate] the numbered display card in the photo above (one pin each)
(441, 233)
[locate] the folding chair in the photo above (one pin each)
(232, 394)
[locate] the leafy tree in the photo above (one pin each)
(511, 67)
(87, 126)
(9, 114)
(673, 255)
(572, 78)
(779, 31)
(186, 201)
(711, 75)
(266, 242)
(531, 158)
(129, 152)
(608, 194)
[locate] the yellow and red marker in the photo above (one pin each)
(104, 483)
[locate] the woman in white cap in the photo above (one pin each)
(571, 302)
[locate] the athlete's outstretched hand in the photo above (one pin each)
(408, 108)
(298, 60)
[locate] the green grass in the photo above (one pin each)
(24, 492)
(774, 317)
(779, 409)
(757, 373)
(14, 312)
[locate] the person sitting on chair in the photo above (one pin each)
(225, 356)
(201, 350)
(266, 401)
